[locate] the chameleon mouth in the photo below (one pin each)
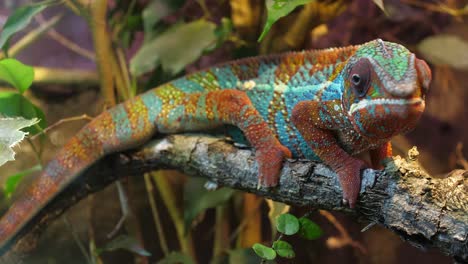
(366, 103)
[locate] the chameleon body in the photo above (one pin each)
(321, 105)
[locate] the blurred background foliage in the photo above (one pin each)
(91, 54)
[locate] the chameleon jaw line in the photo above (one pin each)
(382, 101)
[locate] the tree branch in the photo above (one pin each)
(425, 211)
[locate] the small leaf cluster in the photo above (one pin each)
(19, 19)
(17, 74)
(17, 112)
(15, 107)
(288, 224)
(14, 103)
(193, 39)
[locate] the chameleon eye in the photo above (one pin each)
(356, 79)
(359, 77)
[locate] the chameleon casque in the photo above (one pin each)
(323, 105)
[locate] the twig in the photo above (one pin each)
(60, 122)
(77, 239)
(45, 75)
(31, 37)
(155, 212)
(169, 199)
(64, 41)
(221, 231)
(102, 45)
(245, 219)
(37, 153)
(93, 251)
(123, 199)
(344, 238)
(205, 9)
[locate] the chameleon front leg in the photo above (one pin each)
(324, 144)
(234, 107)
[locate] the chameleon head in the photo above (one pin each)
(384, 89)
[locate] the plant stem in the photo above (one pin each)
(251, 232)
(31, 37)
(156, 218)
(102, 46)
(44, 75)
(37, 154)
(221, 244)
(169, 198)
(61, 121)
(124, 71)
(65, 41)
(122, 88)
(77, 239)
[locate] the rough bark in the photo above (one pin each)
(425, 211)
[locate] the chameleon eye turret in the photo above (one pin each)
(359, 77)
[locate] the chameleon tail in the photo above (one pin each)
(122, 127)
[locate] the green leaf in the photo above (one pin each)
(126, 242)
(12, 181)
(287, 224)
(223, 31)
(19, 19)
(197, 199)
(17, 74)
(277, 9)
(153, 13)
(174, 49)
(264, 252)
(176, 258)
(15, 105)
(284, 249)
(445, 49)
(158, 9)
(10, 135)
(309, 229)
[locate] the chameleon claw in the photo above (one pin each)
(350, 180)
(344, 201)
(347, 203)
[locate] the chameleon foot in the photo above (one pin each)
(350, 179)
(270, 161)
